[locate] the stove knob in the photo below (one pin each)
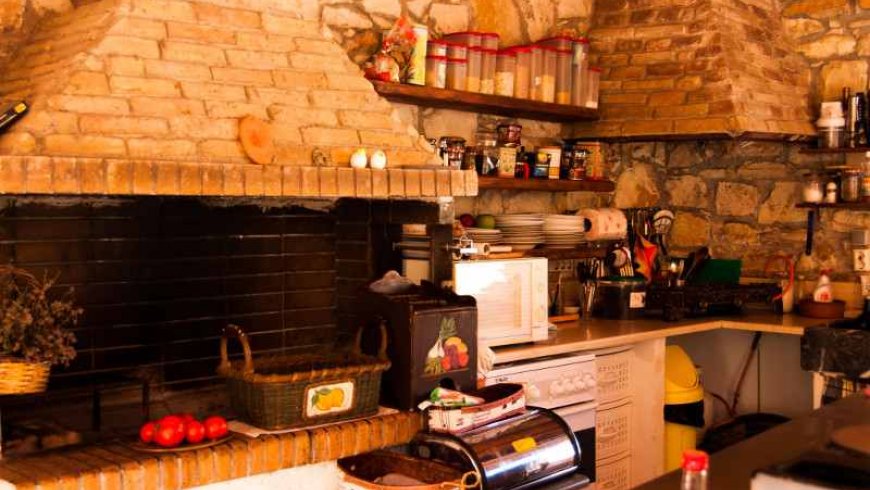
(556, 388)
(532, 392)
(579, 384)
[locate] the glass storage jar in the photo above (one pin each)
(457, 51)
(457, 73)
(563, 76)
(468, 38)
(594, 78)
(548, 81)
(505, 68)
(813, 190)
(436, 47)
(436, 71)
(490, 40)
(487, 74)
(850, 185)
(536, 72)
(580, 67)
(475, 69)
(522, 76)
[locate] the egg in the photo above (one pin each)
(379, 159)
(359, 159)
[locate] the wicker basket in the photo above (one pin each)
(361, 472)
(283, 392)
(19, 377)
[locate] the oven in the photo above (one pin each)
(565, 384)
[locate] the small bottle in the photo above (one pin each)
(695, 464)
(831, 192)
(823, 293)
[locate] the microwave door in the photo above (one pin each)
(503, 294)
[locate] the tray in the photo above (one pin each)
(148, 448)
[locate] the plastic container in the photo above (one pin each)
(475, 69)
(436, 47)
(505, 71)
(487, 75)
(490, 40)
(436, 71)
(591, 91)
(558, 42)
(536, 72)
(457, 73)
(468, 38)
(548, 80)
(621, 298)
(563, 76)
(523, 73)
(457, 51)
(580, 67)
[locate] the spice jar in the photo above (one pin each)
(457, 73)
(475, 68)
(505, 67)
(489, 40)
(457, 51)
(453, 151)
(593, 78)
(509, 134)
(487, 75)
(578, 156)
(487, 158)
(522, 75)
(536, 72)
(594, 159)
(579, 66)
(850, 185)
(436, 71)
(813, 191)
(563, 76)
(436, 47)
(548, 81)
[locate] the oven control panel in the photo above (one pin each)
(551, 383)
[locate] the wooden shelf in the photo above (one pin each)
(855, 206)
(483, 103)
(581, 252)
(828, 151)
(546, 185)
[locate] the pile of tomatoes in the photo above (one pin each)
(174, 430)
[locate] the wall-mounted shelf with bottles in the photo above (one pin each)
(546, 185)
(461, 100)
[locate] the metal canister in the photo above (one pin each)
(417, 72)
(594, 159)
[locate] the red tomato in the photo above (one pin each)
(175, 421)
(167, 435)
(146, 432)
(195, 432)
(215, 427)
(186, 417)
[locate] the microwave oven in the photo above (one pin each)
(511, 298)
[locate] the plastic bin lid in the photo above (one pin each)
(682, 384)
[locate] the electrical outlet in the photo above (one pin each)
(865, 285)
(861, 259)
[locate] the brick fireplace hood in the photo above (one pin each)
(145, 97)
(697, 69)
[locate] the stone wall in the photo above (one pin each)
(834, 37)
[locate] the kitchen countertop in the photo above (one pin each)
(597, 333)
(732, 468)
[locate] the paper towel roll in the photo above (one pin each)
(604, 223)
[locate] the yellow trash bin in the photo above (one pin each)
(684, 405)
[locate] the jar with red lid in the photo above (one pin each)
(471, 39)
(457, 51)
(475, 68)
(522, 75)
(548, 79)
(436, 71)
(536, 73)
(487, 72)
(457, 73)
(436, 47)
(580, 68)
(505, 69)
(563, 76)
(489, 40)
(593, 80)
(558, 42)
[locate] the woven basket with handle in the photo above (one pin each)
(17, 376)
(286, 391)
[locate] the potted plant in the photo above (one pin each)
(34, 331)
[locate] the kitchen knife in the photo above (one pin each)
(12, 114)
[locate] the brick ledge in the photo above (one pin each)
(115, 466)
(96, 176)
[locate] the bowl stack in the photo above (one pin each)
(563, 231)
(521, 231)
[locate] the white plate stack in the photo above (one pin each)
(484, 235)
(563, 231)
(521, 231)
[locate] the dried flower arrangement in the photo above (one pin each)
(33, 326)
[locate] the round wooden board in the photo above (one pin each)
(256, 138)
(854, 437)
(148, 448)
